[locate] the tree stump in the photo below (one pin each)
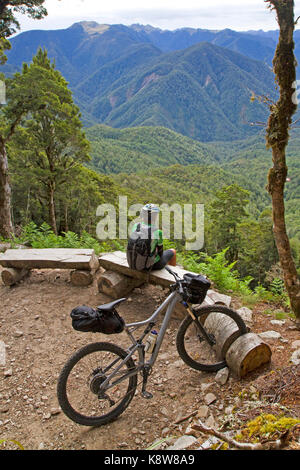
(81, 278)
(246, 354)
(225, 331)
(11, 276)
(117, 285)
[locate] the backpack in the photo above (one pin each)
(139, 256)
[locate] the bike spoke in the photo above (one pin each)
(84, 381)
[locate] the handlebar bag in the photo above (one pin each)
(197, 287)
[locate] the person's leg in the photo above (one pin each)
(168, 257)
(173, 260)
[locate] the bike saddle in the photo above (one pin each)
(111, 306)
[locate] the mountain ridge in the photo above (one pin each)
(123, 77)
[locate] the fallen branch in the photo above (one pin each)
(272, 445)
(181, 420)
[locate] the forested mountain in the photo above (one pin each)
(186, 170)
(170, 116)
(142, 149)
(125, 77)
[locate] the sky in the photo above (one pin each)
(239, 15)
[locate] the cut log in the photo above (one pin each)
(225, 331)
(117, 285)
(11, 276)
(117, 262)
(81, 278)
(53, 258)
(247, 354)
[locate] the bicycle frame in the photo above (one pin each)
(170, 303)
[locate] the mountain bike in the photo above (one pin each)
(99, 381)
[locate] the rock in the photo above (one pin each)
(165, 432)
(210, 398)
(203, 411)
(164, 411)
(222, 376)
(229, 410)
(55, 411)
(41, 446)
(277, 322)
(4, 410)
(178, 363)
(183, 443)
(295, 344)
(210, 422)
(189, 431)
(209, 443)
(8, 373)
(2, 354)
(4, 247)
(270, 335)
(219, 298)
(206, 386)
(247, 315)
(123, 444)
(295, 358)
(18, 334)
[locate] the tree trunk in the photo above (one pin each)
(277, 139)
(66, 219)
(6, 225)
(52, 214)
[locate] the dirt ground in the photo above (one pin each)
(36, 327)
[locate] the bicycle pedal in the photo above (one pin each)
(147, 395)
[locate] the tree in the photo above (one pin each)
(52, 135)
(9, 23)
(225, 212)
(4, 46)
(257, 249)
(22, 97)
(277, 137)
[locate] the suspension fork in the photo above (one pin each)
(199, 326)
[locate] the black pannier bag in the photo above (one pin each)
(89, 320)
(197, 287)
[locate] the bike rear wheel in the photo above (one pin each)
(198, 348)
(78, 388)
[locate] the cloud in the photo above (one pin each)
(214, 14)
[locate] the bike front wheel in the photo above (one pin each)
(197, 342)
(79, 390)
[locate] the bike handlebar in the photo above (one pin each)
(173, 273)
(179, 281)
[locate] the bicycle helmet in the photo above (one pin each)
(150, 213)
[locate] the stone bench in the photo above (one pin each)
(16, 264)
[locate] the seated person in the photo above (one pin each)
(145, 250)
